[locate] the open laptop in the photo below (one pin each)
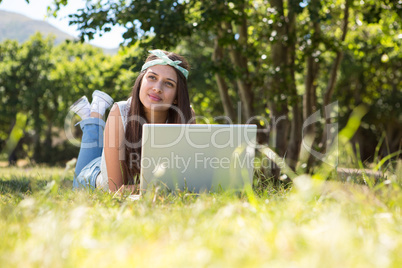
(199, 158)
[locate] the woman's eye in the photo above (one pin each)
(169, 84)
(152, 77)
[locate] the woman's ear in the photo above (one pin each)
(175, 102)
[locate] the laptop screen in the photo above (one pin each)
(197, 157)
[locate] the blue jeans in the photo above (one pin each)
(89, 158)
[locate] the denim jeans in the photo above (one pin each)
(89, 157)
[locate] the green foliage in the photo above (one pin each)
(170, 24)
(24, 80)
(371, 75)
(252, 35)
(41, 81)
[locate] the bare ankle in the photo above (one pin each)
(96, 115)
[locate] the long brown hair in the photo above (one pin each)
(181, 114)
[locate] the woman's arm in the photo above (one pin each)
(113, 146)
(193, 115)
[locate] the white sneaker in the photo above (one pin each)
(81, 107)
(100, 102)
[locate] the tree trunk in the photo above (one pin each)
(37, 125)
(334, 73)
(339, 54)
(239, 62)
(296, 123)
(295, 136)
(217, 58)
(246, 94)
(310, 96)
(47, 146)
(279, 106)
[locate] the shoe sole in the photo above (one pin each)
(79, 104)
(104, 96)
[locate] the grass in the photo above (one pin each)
(312, 223)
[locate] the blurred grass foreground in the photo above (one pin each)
(311, 223)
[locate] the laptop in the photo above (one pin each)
(197, 157)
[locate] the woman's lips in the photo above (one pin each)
(154, 97)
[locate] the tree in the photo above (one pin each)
(10, 88)
(269, 55)
(25, 81)
(42, 81)
(298, 37)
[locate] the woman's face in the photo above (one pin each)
(158, 88)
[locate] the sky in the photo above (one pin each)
(37, 9)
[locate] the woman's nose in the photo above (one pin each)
(158, 87)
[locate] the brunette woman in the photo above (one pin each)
(110, 153)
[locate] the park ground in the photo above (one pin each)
(308, 223)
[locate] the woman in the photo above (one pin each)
(110, 153)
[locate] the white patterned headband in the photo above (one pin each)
(164, 60)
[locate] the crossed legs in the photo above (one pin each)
(92, 127)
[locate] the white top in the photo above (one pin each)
(102, 178)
